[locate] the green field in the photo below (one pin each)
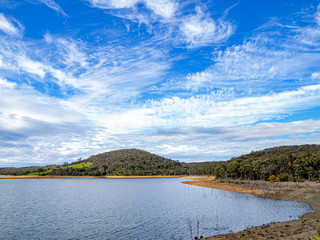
(47, 172)
(40, 173)
(80, 165)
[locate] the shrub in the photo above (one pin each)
(283, 177)
(273, 178)
(314, 238)
(232, 175)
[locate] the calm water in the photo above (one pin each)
(129, 209)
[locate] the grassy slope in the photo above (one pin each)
(47, 172)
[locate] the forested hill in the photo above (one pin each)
(133, 162)
(127, 157)
(284, 163)
(115, 163)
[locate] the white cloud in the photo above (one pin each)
(315, 75)
(114, 3)
(5, 84)
(31, 66)
(201, 30)
(24, 104)
(236, 133)
(164, 8)
(71, 52)
(308, 37)
(317, 15)
(194, 30)
(217, 150)
(8, 27)
(53, 5)
(251, 65)
(207, 111)
(268, 60)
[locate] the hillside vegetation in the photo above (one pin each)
(115, 163)
(129, 162)
(285, 163)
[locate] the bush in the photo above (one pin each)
(273, 178)
(314, 238)
(232, 175)
(283, 177)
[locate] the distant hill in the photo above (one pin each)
(293, 163)
(133, 162)
(127, 157)
(123, 162)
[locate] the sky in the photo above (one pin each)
(191, 80)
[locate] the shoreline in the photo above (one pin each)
(110, 177)
(308, 192)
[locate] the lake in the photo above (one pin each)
(129, 209)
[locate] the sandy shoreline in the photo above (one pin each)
(115, 177)
(308, 192)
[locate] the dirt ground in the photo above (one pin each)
(307, 192)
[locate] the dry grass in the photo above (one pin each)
(45, 177)
(308, 192)
(155, 176)
(197, 177)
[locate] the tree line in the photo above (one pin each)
(285, 163)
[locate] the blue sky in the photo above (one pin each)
(189, 80)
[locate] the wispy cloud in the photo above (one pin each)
(10, 26)
(102, 81)
(6, 84)
(222, 143)
(194, 30)
(201, 30)
(54, 6)
(164, 9)
(207, 111)
(217, 150)
(274, 56)
(10, 4)
(261, 131)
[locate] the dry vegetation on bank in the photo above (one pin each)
(6, 177)
(307, 192)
